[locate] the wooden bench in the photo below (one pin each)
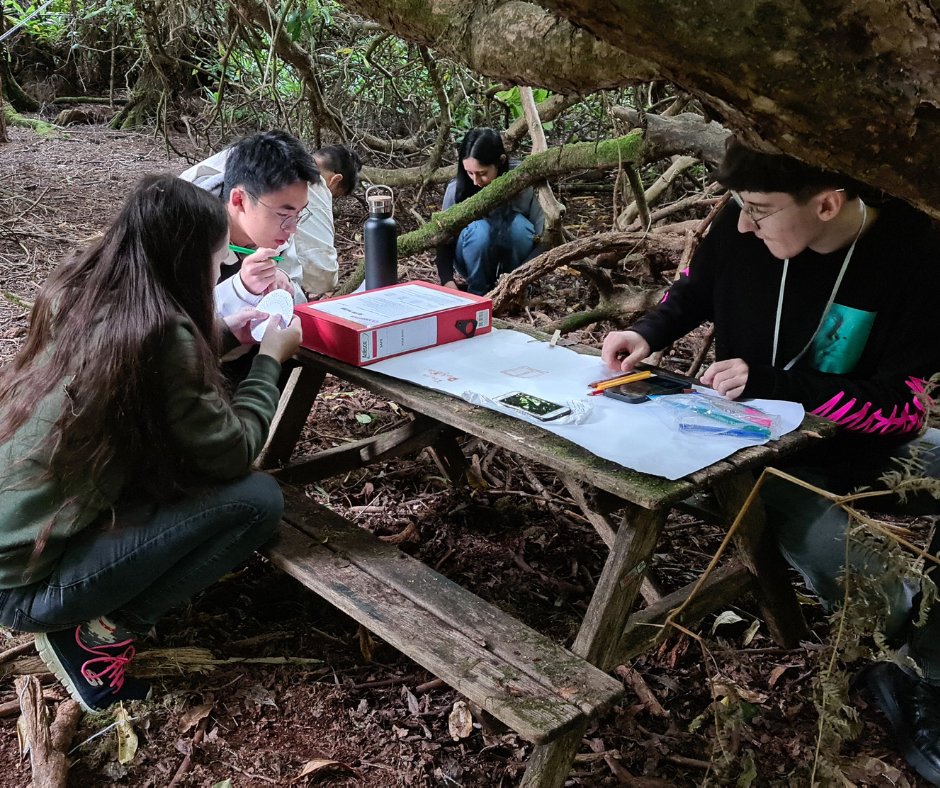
(522, 678)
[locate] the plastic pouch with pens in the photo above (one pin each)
(702, 414)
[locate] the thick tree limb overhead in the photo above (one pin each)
(849, 85)
(509, 40)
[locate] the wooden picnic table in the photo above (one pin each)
(609, 635)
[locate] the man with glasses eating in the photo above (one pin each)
(822, 298)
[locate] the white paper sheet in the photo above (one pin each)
(277, 302)
(631, 435)
(385, 306)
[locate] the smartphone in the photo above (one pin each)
(641, 390)
(540, 408)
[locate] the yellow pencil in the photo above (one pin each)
(619, 381)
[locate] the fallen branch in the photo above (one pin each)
(48, 744)
(687, 134)
(158, 663)
(511, 288)
(553, 232)
(635, 211)
(88, 100)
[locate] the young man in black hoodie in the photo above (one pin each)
(822, 299)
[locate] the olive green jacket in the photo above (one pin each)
(219, 439)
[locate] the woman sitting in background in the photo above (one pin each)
(501, 241)
(126, 481)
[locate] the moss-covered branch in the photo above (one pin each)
(13, 118)
(553, 162)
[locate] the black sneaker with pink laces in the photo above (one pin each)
(93, 675)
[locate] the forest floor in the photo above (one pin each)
(267, 721)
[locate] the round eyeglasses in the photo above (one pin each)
(753, 215)
(290, 220)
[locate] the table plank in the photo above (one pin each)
(579, 683)
(537, 444)
(535, 712)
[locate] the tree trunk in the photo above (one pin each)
(143, 101)
(12, 92)
(848, 85)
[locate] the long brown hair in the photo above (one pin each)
(97, 330)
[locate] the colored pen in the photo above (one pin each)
(243, 250)
(744, 433)
(620, 380)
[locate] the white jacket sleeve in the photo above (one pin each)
(312, 244)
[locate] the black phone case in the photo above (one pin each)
(641, 390)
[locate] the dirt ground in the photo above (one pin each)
(385, 721)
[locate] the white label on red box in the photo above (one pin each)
(386, 305)
(402, 338)
(483, 318)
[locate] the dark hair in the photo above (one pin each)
(268, 162)
(746, 170)
(343, 160)
(486, 146)
(96, 336)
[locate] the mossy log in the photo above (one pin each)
(548, 110)
(88, 100)
(13, 118)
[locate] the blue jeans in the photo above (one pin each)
(155, 557)
(811, 534)
(480, 269)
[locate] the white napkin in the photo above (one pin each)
(277, 302)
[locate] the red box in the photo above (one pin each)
(363, 328)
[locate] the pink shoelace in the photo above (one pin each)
(113, 664)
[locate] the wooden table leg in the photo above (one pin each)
(292, 410)
(450, 457)
(775, 593)
(599, 635)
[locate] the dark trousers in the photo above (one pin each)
(154, 558)
(811, 533)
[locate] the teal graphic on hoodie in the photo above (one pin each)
(839, 344)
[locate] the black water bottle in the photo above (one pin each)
(380, 236)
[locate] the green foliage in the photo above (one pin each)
(48, 26)
(305, 23)
(220, 72)
(859, 636)
(514, 101)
